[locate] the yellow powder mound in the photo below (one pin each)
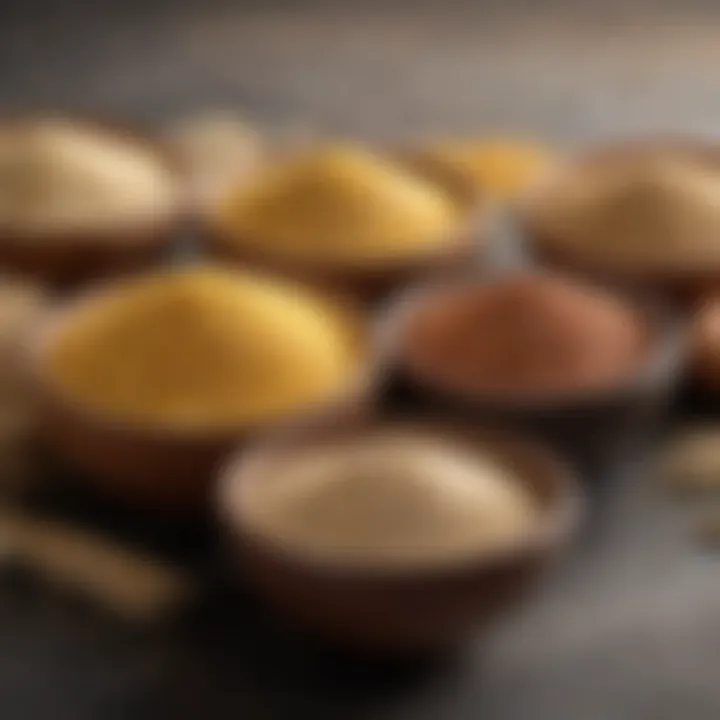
(339, 204)
(497, 168)
(655, 212)
(204, 347)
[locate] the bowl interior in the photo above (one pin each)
(529, 216)
(667, 340)
(48, 332)
(126, 232)
(546, 477)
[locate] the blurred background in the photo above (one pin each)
(556, 69)
(559, 68)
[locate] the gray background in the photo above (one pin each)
(629, 628)
(561, 69)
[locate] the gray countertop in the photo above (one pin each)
(629, 627)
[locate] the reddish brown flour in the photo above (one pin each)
(530, 333)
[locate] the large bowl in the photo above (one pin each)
(400, 610)
(70, 257)
(143, 465)
(370, 282)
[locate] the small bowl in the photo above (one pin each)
(595, 428)
(70, 257)
(683, 286)
(143, 465)
(373, 281)
(400, 611)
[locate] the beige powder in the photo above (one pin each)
(218, 149)
(653, 210)
(57, 176)
(391, 498)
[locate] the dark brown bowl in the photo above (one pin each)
(705, 348)
(152, 466)
(401, 610)
(69, 258)
(684, 286)
(367, 282)
(595, 428)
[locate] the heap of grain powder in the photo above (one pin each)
(497, 168)
(58, 176)
(533, 334)
(393, 497)
(339, 204)
(646, 210)
(205, 347)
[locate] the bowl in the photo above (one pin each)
(142, 465)
(369, 282)
(595, 428)
(70, 257)
(705, 355)
(401, 610)
(684, 286)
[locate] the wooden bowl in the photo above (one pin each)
(595, 428)
(373, 281)
(400, 610)
(683, 285)
(70, 257)
(143, 465)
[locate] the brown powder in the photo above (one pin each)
(528, 333)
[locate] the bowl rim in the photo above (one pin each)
(524, 215)
(40, 339)
(131, 230)
(666, 354)
(554, 528)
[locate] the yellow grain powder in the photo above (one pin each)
(204, 347)
(393, 497)
(498, 168)
(342, 204)
(57, 175)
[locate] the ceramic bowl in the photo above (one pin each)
(596, 428)
(398, 611)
